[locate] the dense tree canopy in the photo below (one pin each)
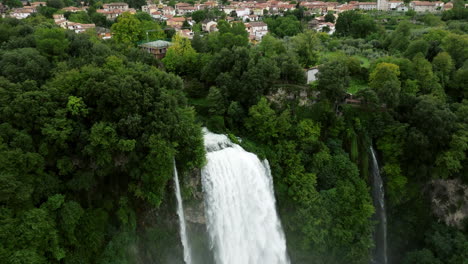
(89, 130)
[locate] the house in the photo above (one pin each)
(448, 6)
(183, 10)
(312, 74)
(156, 14)
(71, 9)
(116, 6)
(60, 20)
(38, 4)
(20, 13)
(257, 29)
(185, 33)
(103, 33)
(79, 28)
(168, 10)
(158, 48)
(250, 18)
(393, 5)
(176, 22)
(367, 5)
(426, 6)
(149, 8)
(209, 26)
(113, 10)
(242, 12)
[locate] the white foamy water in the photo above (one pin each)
(242, 222)
(182, 224)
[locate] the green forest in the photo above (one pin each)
(89, 129)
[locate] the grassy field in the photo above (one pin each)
(356, 85)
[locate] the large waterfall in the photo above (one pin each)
(180, 213)
(378, 195)
(242, 222)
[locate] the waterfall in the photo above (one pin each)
(242, 222)
(180, 213)
(378, 195)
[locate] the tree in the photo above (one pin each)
(181, 58)
(199, 16)
(127, 29)
(398, 40)
(352, 23)
(415, 47)
(216, 101)
(58, 4)
(443, 67)
(423, 74)
(24, 64)
(330, 17)
(262, 121)
(384, 80)
(51, 42)
(333, 80)
(306, 45)
(12, 3)
(284, 26)
(457, 47)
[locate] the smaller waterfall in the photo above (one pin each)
(183, 226)
(378, 195)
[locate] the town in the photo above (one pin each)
(178, 16)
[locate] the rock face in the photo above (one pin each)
(195, 208)
(449, 200)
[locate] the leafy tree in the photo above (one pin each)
(415, 47)
(384, 80)
(306, 45)
(127, 29)
(51, 42)
(329, 17)
(180, 58)
(284, 26)
(457, 47)
(24, 64)
(262, 121)
(353, 23)
(58, 4)
(443, 67)
(423, 73)
(199, 16)
(12, 3)
(333, 80)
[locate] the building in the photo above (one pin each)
(257, 30)
(185, 33)
(426, 6)
(183, 10)
(116, 6)
(158, 48)
(38, 4)
(113, 10)
(209, 26)
(168, 10)
(21, 13)
(176, 22)
(382, 5)
(368, 5)
(72, 9)
(103, 33)
(79, 28)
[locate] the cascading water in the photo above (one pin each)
(180, 213)
(378, 195)
(242, 222)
